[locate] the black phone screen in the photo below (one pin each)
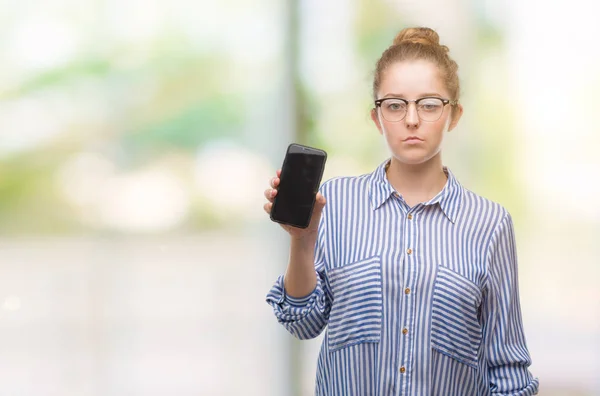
(299, 182)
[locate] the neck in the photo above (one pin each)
(417, 183)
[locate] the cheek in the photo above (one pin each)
(441, 126)
(390, 130)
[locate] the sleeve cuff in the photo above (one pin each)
(289, 308)
(531, 389)
(299, 302)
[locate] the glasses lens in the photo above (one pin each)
(430, 109)
(393, 110)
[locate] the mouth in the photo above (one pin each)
(412, 139)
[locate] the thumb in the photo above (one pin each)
(320, 202)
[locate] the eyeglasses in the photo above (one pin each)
(429, 109)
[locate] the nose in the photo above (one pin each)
(412, 117)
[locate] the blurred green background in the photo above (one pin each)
(136, 139)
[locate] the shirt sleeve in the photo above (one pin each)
(305, 317)
(505, 346)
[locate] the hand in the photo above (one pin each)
(295, 232)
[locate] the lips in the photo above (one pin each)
(413, 139)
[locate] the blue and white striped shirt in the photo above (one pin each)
(417, 300)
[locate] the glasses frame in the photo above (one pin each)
(445, 102)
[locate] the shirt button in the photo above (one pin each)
(403, 369)
(405, 331)
(409, 251)
(407, 291)
(409, 216)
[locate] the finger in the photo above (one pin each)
(268, 193)
(274, 182)
(278, 172)
(267, 207)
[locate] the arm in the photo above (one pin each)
(504, 339)
(301, 299)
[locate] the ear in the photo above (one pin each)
(375, 119)
(455, 117)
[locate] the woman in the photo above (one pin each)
(414, 276)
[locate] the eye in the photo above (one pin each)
(430, 105)
(396, 105)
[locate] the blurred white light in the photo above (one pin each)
(152, 199)
(30, 122)
(233, 179)
(83, 177)
(149, 200)
(11, 303)
(135, 20)
(41, 42)
(553, 95)
(329, 62)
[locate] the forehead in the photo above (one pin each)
(412, 78)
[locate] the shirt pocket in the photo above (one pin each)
(357, 308)
(456, 331)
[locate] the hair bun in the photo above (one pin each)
(420, 35)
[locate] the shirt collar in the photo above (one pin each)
(448, 199)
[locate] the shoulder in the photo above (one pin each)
(484, 212)
(474, 203)
(346, 186)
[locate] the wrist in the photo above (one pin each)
(305, 242)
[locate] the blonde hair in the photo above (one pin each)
(419, 43)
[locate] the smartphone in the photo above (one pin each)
(299, 183)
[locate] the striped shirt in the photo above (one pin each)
(418, 300)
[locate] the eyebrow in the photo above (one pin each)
(401, 96)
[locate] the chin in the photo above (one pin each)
(413, 159)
